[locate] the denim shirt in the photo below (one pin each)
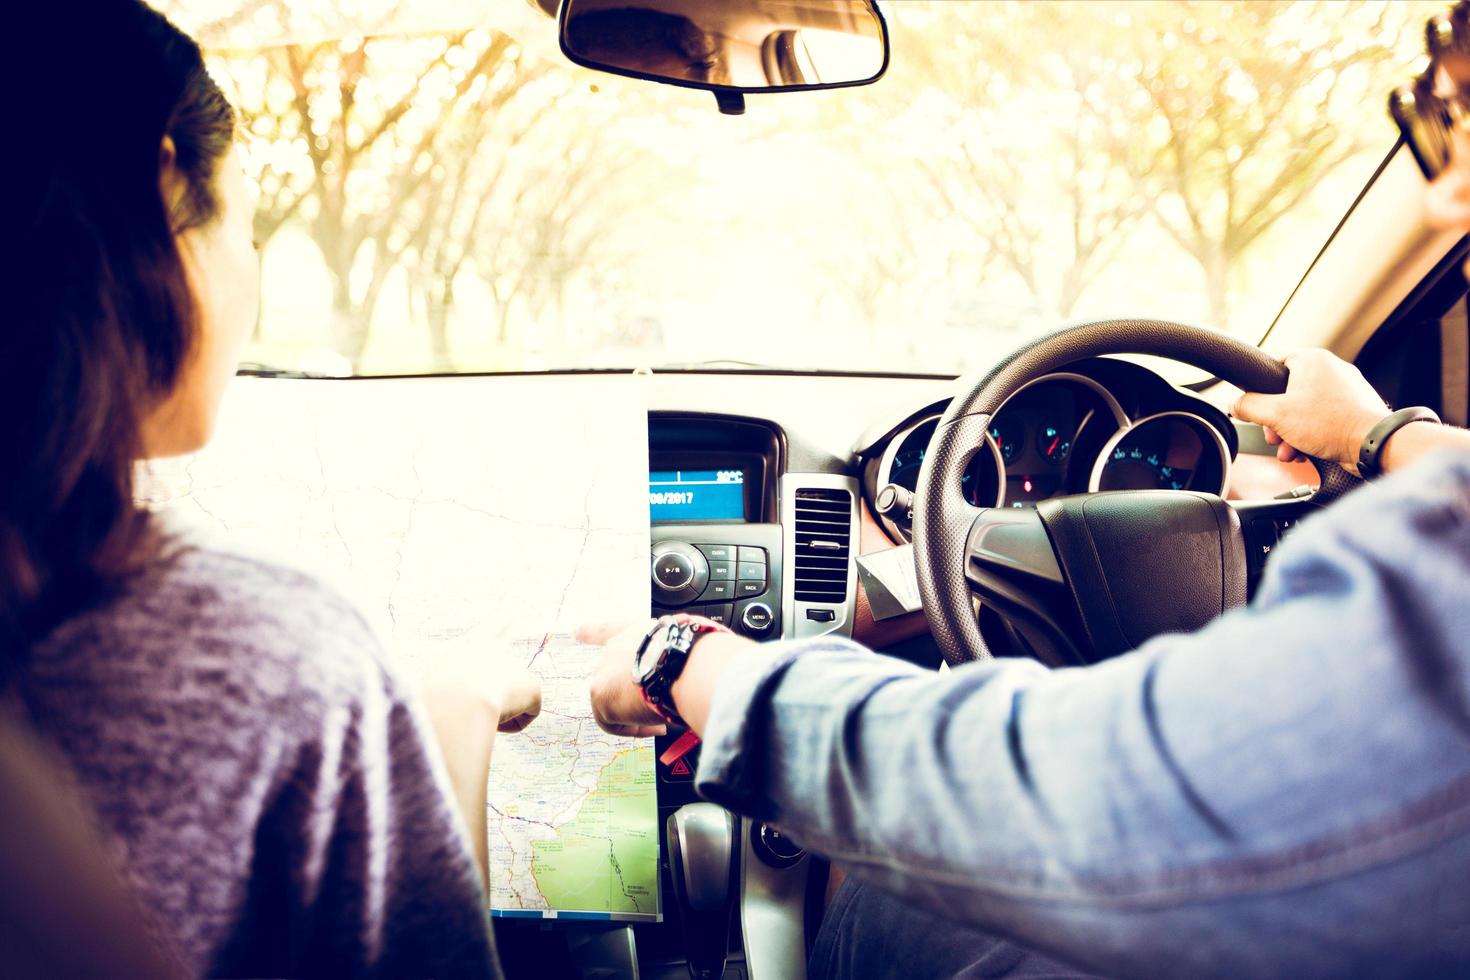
(1284, 793)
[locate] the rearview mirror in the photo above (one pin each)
(730, 47)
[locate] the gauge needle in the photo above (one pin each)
(1053, 447)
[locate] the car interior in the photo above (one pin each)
(935, 490)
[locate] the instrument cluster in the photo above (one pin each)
(1069, 433)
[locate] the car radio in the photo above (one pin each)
(712, 508)
(707, 557)
(731, 575)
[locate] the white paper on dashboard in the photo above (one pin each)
(471, 519)
(890, 581)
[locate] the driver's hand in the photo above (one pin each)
(1326, 411)
(617, 704)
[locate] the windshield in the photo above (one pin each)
(441, 191)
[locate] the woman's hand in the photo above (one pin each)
(507, 698)
(1326, 410)
(468, 700)
(518, 697)
(617, 703)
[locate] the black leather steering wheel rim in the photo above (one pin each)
(942, 516)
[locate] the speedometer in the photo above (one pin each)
(1167, 451)
(1136, 467)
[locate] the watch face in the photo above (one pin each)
(649, 655)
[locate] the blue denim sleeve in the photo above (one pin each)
(1285, 792)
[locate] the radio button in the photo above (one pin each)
(753, 554)
(717, 552)
(720, 614)
(673, 600)
(719, 590)
(679, 573)
(755, 618)
(749, 590)
(752, 571)
(722, 569)
(673, 571)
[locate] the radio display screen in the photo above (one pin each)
(696, 495)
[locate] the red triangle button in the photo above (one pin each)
(680, 768)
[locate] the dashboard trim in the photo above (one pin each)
(1094, 481)
(772, 911)
(1111, 400)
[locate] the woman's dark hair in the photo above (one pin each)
(101, 317)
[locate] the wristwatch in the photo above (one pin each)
(661, 658)
(1371, 450)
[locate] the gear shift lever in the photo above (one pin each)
(704, 861)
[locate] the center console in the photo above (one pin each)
(738, 539)
(716, 551)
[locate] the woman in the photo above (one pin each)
(269, 786)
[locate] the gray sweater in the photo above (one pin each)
(268, 783)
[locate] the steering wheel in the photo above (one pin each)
(1087, 576)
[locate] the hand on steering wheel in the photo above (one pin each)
(1089, 576)
(1327, 409)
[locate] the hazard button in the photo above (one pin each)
(680, 771)
(679, 758)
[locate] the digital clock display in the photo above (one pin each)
(696, 495)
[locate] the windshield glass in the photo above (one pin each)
(441, 191)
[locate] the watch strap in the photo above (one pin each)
(678, 634)
(1371, 451)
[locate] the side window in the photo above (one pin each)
(1421, 355)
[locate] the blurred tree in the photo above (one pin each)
(455, 209)
(372, 147)
(1022, 161)
(1246, 109)
(1075, 121)
(1027, 163)
(409, 153)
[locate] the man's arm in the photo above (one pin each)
(1327, 410)
(1271, 794)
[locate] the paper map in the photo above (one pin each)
(471, 519)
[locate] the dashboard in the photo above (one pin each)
(1099, 425)
(761, 501)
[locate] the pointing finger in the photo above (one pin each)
(597, 634)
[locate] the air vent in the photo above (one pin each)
(823, 545)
